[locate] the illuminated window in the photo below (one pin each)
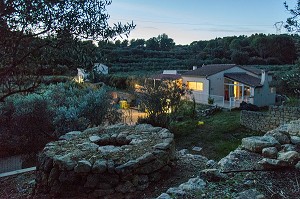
(196, 86)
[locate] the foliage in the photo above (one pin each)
(255, 49)
(291, 82)
(25, 121)
(32, 30)
(210, 100)
(161, 100)
(34, 120)
(292, 23)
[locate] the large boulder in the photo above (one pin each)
(292, 157)
(270, 152)
(281, 136)
(257, 143)
(268, 163)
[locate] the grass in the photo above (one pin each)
(220, 134)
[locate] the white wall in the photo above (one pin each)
(217, 80)
(205, 82)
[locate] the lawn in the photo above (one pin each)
(220, 134)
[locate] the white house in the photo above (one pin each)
(228, 85)
(100, 69)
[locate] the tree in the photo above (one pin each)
(161, 101)
(165, 43)
(27, 29)
(152, 44)
(292, 23)
(137, 43)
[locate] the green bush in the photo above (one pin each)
(25, 122)
(28, 122)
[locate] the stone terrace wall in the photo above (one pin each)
(114, 162)
(269, 120)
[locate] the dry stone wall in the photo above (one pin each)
(114, 162)
(265, 121)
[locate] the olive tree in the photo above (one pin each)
(27, 28)
(161, 101)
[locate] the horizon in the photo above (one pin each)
(199, 19)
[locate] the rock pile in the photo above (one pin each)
(278, 148)
(114, 162)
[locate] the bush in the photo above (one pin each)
(27, 123)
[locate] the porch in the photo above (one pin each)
(234, 94)
(218, 100)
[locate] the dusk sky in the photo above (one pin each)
(186, 21)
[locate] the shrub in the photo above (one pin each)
(68, 119)
(28, 122)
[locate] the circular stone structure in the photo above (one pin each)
(117, 161)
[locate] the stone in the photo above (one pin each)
(125, 187)
(48, 165)
(176, 192)
(147, 157)
(297, 166)
(168, 141)
(71, 135)
(249, 194)
(83, 166)
(109, 149)
(101, 192)
(295, 140)
(213, 175)
(211, 164)
(270, 152)
(104, 140)
(268, 163)
(288, 147)
(257, 143)
(280, 136)
(143, 186)
(127, 167)
(162, 146)
(110, 166)
(193, 184)
(103, 185)
(111, 179)
(136, 141)
(88, 146)
(165, 133)
(164, 196)
(94, 138)
(291, 157)
(92, 181)
(53, 176)
(64, 162)
(183, 152)
(153, 177)
(144, 127)
(197, 149)
(99, 166)
(69, 177)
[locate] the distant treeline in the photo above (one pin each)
(162, 53)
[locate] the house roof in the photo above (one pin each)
(208, 70)
(167, 76)
(252, 69)
(244, 78)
